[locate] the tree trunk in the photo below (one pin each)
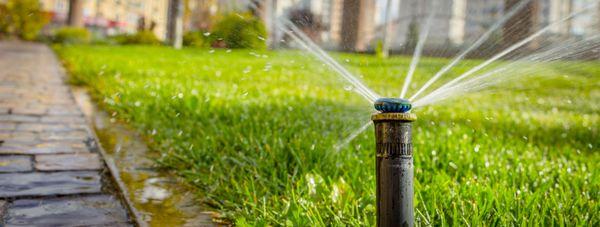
(175, 23)
(265, 10)
(385, 48)
(350, 23)
(522, 24)
(75, 13)
(357, 24)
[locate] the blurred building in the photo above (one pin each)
(460, 22)
(347, 24)
(453, 23)
(352, 25)
(109, 17)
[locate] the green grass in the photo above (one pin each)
(255, 134)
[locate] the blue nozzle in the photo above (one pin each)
(392, 105)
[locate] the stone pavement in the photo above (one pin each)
(50, 172)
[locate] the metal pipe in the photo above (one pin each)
(394, 163)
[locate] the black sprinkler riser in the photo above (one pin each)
(394, 163)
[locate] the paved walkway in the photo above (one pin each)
(50, 173)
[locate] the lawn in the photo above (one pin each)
(256, 133)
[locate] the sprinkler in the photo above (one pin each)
(394, 162)
(392, 105)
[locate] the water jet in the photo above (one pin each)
(394, 162)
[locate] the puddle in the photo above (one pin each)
(158, 196)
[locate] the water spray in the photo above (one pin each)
(394, 163)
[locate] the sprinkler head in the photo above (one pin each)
(392, 105)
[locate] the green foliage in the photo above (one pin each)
(22, 18)
(258, 142)
(71, 35)
(144, 37)
(4, 20)
(196, 39)
(119, 38)
(379, 49)
(139, 38)
(241, 31)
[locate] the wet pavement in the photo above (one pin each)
(160, 198)
(50, 172)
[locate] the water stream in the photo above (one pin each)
(161, 198)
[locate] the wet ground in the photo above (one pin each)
(160, 198)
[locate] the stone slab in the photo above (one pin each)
(80, 161)
(29, 110)
(49, 127)
(3, 208)
(56, 147)
(27, 137)
(96, 210)
(18, 118)
(78, 135)
(63, 119)
(15, 163)
(7, 125)
(42, 184)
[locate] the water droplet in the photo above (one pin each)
(206, 33)
(180, 95)
(476, 149)
(137, 103)
(261, 38)
(247, 69)
(228, 51)
(211, 51)
(454, 166)
(347, 60)
(267, 67)
(245, 94)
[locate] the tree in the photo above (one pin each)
(308, 22)
(175, 23)
(412, 36)
(385, 48)
(525, 20)
(22, 18)
(75, 13)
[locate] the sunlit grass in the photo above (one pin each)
(255, 133)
